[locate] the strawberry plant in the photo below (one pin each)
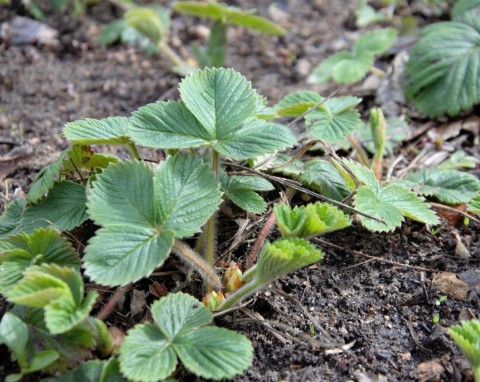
(348, 67)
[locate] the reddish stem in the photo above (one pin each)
(262, 236)
(107, 309)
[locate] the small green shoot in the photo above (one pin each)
(467, 337)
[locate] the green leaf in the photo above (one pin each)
(391, 204)
(474, 205)
(187, 194)
(142, 212)
(310, 220)
(42, 360)
(179, 313)
(463, 6)
(11, 219)
(216, 110)
(398, 131)
(14, 334)
(194, 8)
(18, 252)
(467, 337)
(149, 352)
(323, 177)
(217, 45)
(119, 255)
(112, 32)
(123, 193)
(297, 103)
(458, 160)
(214, 353)
(443, 72)
(284, 256)
(82, 159)
(353, 67)
(240, 190)
(376, 41)
(323, 72)
(254, 22)
(92, 371)
(447, 186)
(45, 180)
(363, 174)
(89, 131)
(230, 15)
(221, 99)
(335, 119)
(59, 291)
(365, 15)
(64, 208)
(146, 21)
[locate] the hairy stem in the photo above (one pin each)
(206, 271)
(170, 53)
(212, 224)
(107, 309)
(376, 71)
(133, 150)
(362, 155)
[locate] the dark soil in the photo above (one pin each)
(368, 320)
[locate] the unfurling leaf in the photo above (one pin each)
(43, 246)
(59, 291)
(467, 337)
(148, 22)
(310, 220)
(150, 352)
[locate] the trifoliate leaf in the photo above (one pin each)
(14, 334)
(108, 131)
(467, 337)
(284, 256)
(217, 111)
(240, 190)
(474, 205)
(230, 15)
(18, 252)
(11, 219)
(335, 119)
(443, 72)
(377, 41)
(323, 177)
(447, 186)
(147, 22)
(310, 220)
(64, 208)
(391, 204)
(142, 212)
(92, 371)
(149, 352)
(323, 72)
(297, 103)
(458, 160)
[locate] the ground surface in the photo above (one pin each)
(346, 317)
